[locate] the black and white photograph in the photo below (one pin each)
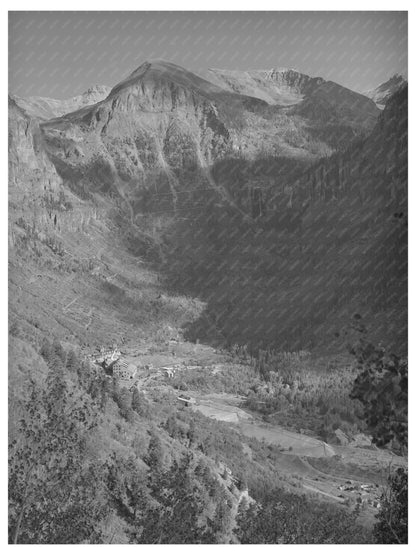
(207, 253)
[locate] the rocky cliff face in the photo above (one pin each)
(159, 116)
(163, 119)
(159, 121)
(383, 92)
(30, 170)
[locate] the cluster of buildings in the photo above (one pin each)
(114, 364)
(170, 371)
(366, 494)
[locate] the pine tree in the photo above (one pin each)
(192, 433)
(46, 350)
(171, 426)
(58, 350)
(123, 400)
(220, 523)
(72, 362)
(127, 485)
(139, 403)
(155, 454)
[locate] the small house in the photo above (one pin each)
(169, 371)
(365, 487)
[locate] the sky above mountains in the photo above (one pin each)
(61, 54)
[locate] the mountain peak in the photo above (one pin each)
(283, 70)
(397, 77)
(158, 64)
(159, 69)
(381, 94)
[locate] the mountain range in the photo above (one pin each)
(269, 194)
(192, 258)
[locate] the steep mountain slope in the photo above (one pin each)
(319, 101)
(338, 113)
(328, 242)
(383, 92)
(361, 195)
(159, 118)
(75, 262)
(198, 177)
(163, 121)
(30, 170)
(47, 108)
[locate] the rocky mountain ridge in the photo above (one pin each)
(166, 149)
(162, 119)
(275, 86)
(383, 92)
(48, 108)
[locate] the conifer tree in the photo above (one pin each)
(139, 403)
(155, 454)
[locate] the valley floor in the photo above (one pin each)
(343, 474)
